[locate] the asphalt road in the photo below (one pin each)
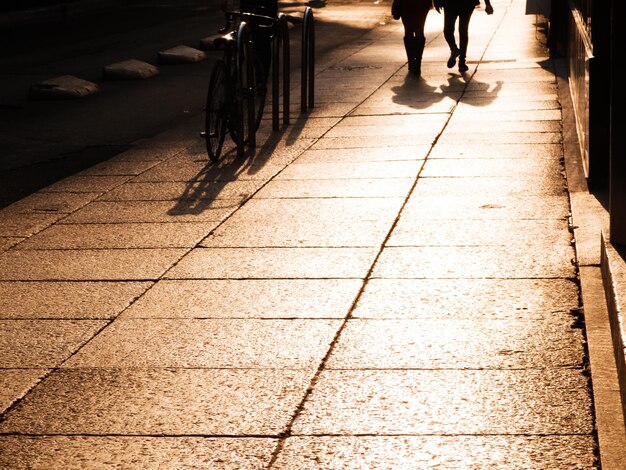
(43, 141)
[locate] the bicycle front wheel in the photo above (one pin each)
(216, 112)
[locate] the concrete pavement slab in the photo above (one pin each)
(479, 299)
(467, 114)
(274, 298)
(43, 343)
(381, 141)
(87, 265)
(479, 232)
(392, 402)
(67, 300)
(146, 153)
(345, 170)
(352, 155)
(166, 402)
(483, 205)
(123, 235)
(119, 168)
(273, 263)
(91, 453)
(26, 224)
(486, 167)
(495, 452)
(497, 151)
(549, 185)
(336, 188)
(48, 203)
(346, 222)
(194, 189)
(476, 262)
(86, 184)
(209, 343)
(487, 138)
(15, 384)
(503, 127)
(189, 209)
(8, 242)
(458, 344)
(480, 103)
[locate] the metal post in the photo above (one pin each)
(304, 75)
(244, 50)
(311, 54)
(284, 34)
(275, 78)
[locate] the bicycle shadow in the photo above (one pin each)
(202, 192)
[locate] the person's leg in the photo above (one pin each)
(464, 19)
(450, 15)
(422, 9)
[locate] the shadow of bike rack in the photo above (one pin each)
(307, 81)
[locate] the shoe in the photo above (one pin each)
(452, 60)
(463, 66)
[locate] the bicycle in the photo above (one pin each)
(238, 83)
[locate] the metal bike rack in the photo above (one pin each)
(307, 76)
(244, 44)
(281, 39)
(308, 62)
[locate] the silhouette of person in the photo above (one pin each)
(461, 10)
(413, 14)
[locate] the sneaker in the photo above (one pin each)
(463, 66)
(452, 60)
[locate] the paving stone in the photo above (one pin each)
(8, 242)
(86, 184)
(506, 299)
(273, 263)
(147, 153)
(275, 298)
(184, 210)
(204, 172)
(209, 343)
(337, 188)
(467, 114)
(458, 344)
(486, 206)
(118, 168)
(43, 343)
(503, 127)
(174, 402)
(541, 168)
(476, 262)
(362, 155)
(487, 138)
(15, 384)
(494, 452)
(24, 225)
(180, 191)
(58, 300)
(380, 141)
(50, 203)
(498, 151)
(376, 122)
(548, 185)
(520, 104)
(98, 452)
(307, 222)
(391, 402)
(87, 265)
(74, 236)
(367, 170)
(411, 231)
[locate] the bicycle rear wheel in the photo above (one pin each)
(216, 111)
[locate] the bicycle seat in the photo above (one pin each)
(225, 39)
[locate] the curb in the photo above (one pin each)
(613, 269)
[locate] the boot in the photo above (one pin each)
(409, 46)
(418, 52)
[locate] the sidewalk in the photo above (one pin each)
(390, 282)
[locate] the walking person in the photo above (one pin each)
(460, 10)
(413, 14)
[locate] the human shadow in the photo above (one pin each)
(473, 92)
